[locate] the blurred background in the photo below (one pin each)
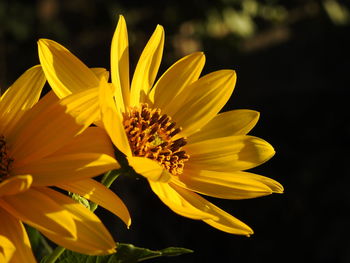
(292, 60)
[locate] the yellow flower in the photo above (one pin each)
(41, 145)
(171, 132)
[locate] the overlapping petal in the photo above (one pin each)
(14, 242)
(202, 100)
(234, 185)
(180, 200)
(120, 63)
(147, 67)
(91, 237)
(149, 169)
(101, 195)
(232, 153)
(235, 122)
(182, 73)
(15, 184)
(65, 73)
(16, 100)
(112, 120)
(49, 216)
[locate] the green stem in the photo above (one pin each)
(55, 254)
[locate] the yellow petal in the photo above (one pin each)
(112, 120)
(236, 122)
(120, 61)
(65, 168)
(149, 169)
(49, 216)
(225, 221)
(15, 184)
(7, 249)
(91, 236)
(228, 154)
(182, 73)
(235, 185)
(179, 200)
(44, 130)
(21, 96)
(92, 140)
(83, 106)
(100, 73)
(147, 67)
(101, 195)
(206, 98)
(14, 241)
(65, 73)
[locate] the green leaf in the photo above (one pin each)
(38, 243)
(126, 253)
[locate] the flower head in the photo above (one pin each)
(42, 145)
(171, 130)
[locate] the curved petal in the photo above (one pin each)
(204, 100)
(101, 195)
(179, 200)
(38, 135)
(7, 249)
(219, 218)
(91, 237)
(225, 221)
(21, 96)
(149, 169)
(92, 140)
(235, 185)
(15, 185)
(49, 216)
(228, 154)
(65, 73)
(100, 73)
(147, 67)
(182, 73)
(15, 245)
(236, 122)
(120, 61)
(112, 120)
(66, 168)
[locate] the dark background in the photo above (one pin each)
(292, 60)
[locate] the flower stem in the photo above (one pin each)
(55, 254)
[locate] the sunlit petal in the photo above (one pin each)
(149, 169)
(234, 185)
(91, 237)
(20, 97)
(120, 61)
(179, 200)
(182, 73)
(101, 195)
(233, 153)
(64, 71)
(236, 122)
(112, 120)
(206, 98)
(147, 67)
(14, 241)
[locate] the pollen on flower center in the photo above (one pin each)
(5, 160)
(151, 134)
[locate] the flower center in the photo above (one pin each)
(5, 160)
(151, 134)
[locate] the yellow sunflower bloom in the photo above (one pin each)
(42, 145)
(171, 131)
